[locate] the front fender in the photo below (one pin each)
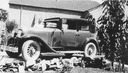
(28, 36)
(39, 40)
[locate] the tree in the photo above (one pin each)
(3, 15)
(112, 32)
(10, 25)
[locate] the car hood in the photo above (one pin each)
(42, 33)
(33, 29)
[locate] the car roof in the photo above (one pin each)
(51, 20)
(56, 19)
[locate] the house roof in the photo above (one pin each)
(75, 5)
(58, 18)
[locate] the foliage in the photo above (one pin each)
(112, 32)
(10, 25)
(3, 15)
(88, 17)
(90, 20)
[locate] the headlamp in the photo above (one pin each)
(19, 33)
(13, 34)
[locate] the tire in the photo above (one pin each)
(90, 50)
(30, 50)
(12, 54)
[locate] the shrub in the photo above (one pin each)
(10, 26)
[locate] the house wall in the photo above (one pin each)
(14, 14)
(96, 13)
(24, 15)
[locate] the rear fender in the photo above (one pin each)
(87, 40)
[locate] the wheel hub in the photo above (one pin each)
(90, 50)
(31, 50)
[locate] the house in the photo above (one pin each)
(27, 12)
(97, 11)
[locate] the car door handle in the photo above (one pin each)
(77, 35)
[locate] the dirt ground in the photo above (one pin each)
(5, 59)
(90, 70)
(80, 70)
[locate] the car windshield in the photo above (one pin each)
(50, 25)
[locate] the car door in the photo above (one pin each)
(83, 34)
(68, 37)
(56, 38)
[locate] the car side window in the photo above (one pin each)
(65, 26)
(72, 26)
(50, 25)
(84, 28)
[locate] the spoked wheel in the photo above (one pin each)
(30, 50)
(90, 50)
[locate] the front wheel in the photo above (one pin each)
(90, 50)
(30, 50)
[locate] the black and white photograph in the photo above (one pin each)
(64, 36)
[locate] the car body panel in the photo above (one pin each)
(82, 35)
(69, 39)
(58, 38)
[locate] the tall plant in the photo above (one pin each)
(112, 32)
(10, 26)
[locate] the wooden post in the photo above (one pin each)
(20, 15)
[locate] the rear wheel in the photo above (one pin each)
(30, 50)
(10, 43)
(90, 50)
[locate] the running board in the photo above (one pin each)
(61, 53)
(99, 56)
(74, 53)
(52, 54)
(68, 52)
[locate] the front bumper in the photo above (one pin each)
(11, 49)
(13, 44)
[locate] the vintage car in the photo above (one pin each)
(59, 35)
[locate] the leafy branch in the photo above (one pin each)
(113, 30)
